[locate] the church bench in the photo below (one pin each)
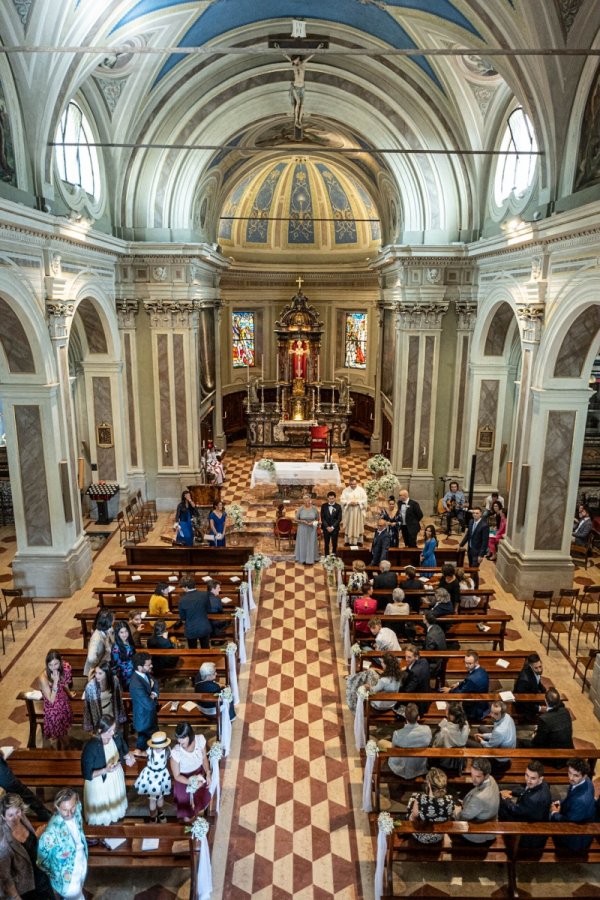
(121, 611)
(463, 628)
(150, 574)
(176, 848)
(433, 714)
(398, 556)
(188, 661)
(486, 596)
(453, 665)
(505, 849)
(382, 774)
(166, 716)
(109, 595)
(169, 557)
(422, 571)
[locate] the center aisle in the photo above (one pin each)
(292, 834)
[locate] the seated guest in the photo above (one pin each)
(435, 639)
(385, 638)
(206, 682)
(440, 604)
(398, 606)
(160, 640)
(529, 681)
(529, 804)
(411, 735)
(482, 802)
(381, 543)
(476, 682)
(583, 528)
(449, 582)
(453, 731)
(435, 805)
(417, 675)
(158, 605)
(554, 728)
(358, 576)
(578, 806)
(453, 502)
(365, 605)
(12, 785)
(389, 681)
(412, 583)
(215, 605)
(466, 583)
(489, 500)
(385, 579)
(501, 734)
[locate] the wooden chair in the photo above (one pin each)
(149, 506)
(18, 601)
(587, 551)
(283, 529)
(589, 600)
(542, 600)
(135, 522)
(127, 532)
(141, 515)
(5, 624)
(583, 664)
(319, 438)
(559, 623)
(587, 623)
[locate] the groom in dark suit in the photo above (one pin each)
(409, 518)
(477, 537)
(331, 519)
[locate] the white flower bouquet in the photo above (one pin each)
(235, 514)
(378, 463)
(266, 464)
(199, 828)
(331, 562)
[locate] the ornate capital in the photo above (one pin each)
(167, 314)
(466, 311)
(58, 315)
(531, 319)
(127, 310)
(419, 316)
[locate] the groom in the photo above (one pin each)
(331, 519)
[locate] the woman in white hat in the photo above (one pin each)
(154, 780)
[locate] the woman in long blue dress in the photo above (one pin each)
(183, 520)
(122, 654)
(216, 523)
(429, 547)
(307, 545)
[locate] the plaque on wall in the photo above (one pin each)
(485, 438)
(104, 436)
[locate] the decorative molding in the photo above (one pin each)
(160, 273)
(58, 315)
(483, 96)
(531, 320)
(127, 310)
(568, 10)
(23, 8)
(111, 90)
(167, 314)
(434, 275)
(466, 310)
(419, 316)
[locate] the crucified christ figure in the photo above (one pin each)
(297, 86)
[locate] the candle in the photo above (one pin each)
(318, 368)
(278, 365)
(262, 366)
(247, 371)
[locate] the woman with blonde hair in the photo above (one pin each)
(358, 577)
(434, 805)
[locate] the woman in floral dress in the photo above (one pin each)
(122, 654)
(55, 685)
(435, 805)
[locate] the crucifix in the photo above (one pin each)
(299, 282)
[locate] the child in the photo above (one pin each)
(154, 779)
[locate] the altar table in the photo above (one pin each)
(290, 473)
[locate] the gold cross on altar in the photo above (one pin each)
(299, 281)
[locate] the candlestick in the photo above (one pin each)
(262, 366)
(348, 395)
(318, 368)
(278, 365)
(247, 371)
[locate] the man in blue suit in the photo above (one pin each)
(381, 543)
(144, 692)
(578, 806)
(476, 682)
(477, 537)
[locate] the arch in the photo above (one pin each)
(98, 317)
(494, 330)
(570, 341)
(32, 362)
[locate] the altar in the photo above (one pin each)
(290, 474)
(283, 414)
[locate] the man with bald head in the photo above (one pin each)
(409, 518)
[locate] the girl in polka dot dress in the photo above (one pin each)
(154, 780)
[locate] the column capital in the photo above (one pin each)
(58, 314)
(531, 320)
(416, 315)
(168, 314)
(466, 311)
(127, 310)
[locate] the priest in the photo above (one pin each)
(354, 510)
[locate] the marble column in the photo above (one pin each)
(127, 311)
(174, 327)
(466, 311)
(375, 445)
(418, 329)
(218, 429)
(106, 406)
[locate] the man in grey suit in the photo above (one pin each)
(412, 735)
(481, 803)
(435, 639)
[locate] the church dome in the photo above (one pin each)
(299, 205)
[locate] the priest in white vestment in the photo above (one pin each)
(354, 510)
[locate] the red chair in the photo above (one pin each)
(319, 438)
(284, 528)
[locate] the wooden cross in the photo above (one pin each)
(299, 281)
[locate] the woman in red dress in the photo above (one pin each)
(55, 685)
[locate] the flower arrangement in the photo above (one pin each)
(378, 464)
(331, 562)
(356, 649)
(216, 751)
(235, 514)
(362, 692)
(348, 615)
(226, 694)
(266, 464)
(385, 823)
(388, 484)
(258, 562)
(372, 489)
(194, 782)
(231, 648)
(238, 612)
(371, 748)
(199, 828)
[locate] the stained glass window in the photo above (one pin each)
(356, 341)
(242, 329)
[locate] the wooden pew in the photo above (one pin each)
(400, 556)
(505, 849)
(464, 628)
(189, 661)
(171, 837)
(88, 617)
(452, 662)
(152, 574)
(519, 759)
(486, 596)
(111, 596)
(422, 571)
(166, 716)
(169, 557)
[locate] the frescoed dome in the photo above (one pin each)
(300, 204)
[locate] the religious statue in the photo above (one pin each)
(299, 351)
(297, 86)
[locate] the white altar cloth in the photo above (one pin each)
(296, 473)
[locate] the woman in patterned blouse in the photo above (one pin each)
(435, 805)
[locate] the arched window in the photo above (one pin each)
(77, 165)
(515, 170)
